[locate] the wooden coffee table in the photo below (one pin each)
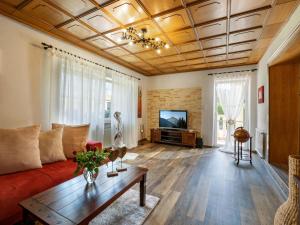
(75, 202)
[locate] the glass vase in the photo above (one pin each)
(90, 176)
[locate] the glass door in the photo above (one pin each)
(222, 124)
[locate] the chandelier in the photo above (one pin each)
(138, 37)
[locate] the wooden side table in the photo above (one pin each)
(238, 152)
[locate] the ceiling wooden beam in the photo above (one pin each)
(207, 68)
(244, 30)
(23, 4)
(228, 25)
(210, 21)
(243, 42)
(252, 11)
(167, 12)
(192, 22)
(211, 37)
(196, 3)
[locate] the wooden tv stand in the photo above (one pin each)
(178, 137)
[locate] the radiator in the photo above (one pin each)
(260, 142)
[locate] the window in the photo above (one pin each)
(107, 112)
(108, 86)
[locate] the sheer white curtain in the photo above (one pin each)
(124, 99)
(73, 93)
(232, 94)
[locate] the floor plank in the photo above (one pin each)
(205, 187)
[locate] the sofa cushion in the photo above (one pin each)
(74, 138)
(91, 145)
(51, 148)
(19, 186)
(19, 149)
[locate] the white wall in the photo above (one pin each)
(201, 79)
(20, 70)
(263, 73)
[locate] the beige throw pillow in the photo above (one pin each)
(51, 147)
(19, 149)
(74, 138)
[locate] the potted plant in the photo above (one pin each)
(88, 162)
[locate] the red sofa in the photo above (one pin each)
(19, 186)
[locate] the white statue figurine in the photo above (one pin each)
(118, 127)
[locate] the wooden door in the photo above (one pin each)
(283, 112)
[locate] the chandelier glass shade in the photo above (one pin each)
(139, 38)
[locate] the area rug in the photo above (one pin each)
(126, 210)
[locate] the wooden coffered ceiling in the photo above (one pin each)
(202, 34)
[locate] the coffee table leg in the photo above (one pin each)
(143, 190)
(26, 218)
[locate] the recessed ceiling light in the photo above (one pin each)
(131, 20)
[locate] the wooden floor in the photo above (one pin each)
(204, 186)
(282, 173)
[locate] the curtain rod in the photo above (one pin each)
(46, 46)
(238, 71)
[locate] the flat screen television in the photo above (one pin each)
(174, 119)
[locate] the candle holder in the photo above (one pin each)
(113, 155)
(122, 153)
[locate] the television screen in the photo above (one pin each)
(173, 119)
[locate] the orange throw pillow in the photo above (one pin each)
(74, 138)
(19, 149)
(51, 147)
